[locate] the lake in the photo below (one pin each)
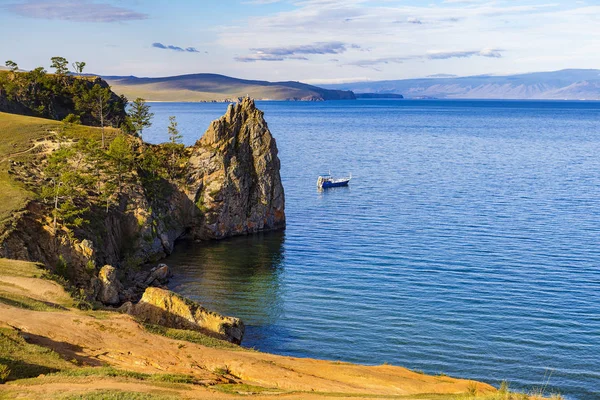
(468, 241)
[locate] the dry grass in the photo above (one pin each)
(17, 135)
(175, 92)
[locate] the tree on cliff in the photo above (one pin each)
(122, 157)
(140, 116)
(99, 98)
(64, 184)
(60, 64)
(78, 66)
(12, 66)
(174, 143)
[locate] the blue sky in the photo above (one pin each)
(309, 40)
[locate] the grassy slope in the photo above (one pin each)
(207, 87)
(17, 135)
(161, 92)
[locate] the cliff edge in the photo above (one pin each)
(227, 184)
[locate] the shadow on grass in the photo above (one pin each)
(20, 369)
(67, 351)
(29, 304)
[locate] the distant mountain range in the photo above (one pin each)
(213, 87)
(568, 84)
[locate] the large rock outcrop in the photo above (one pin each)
(162, 307)
(234, 175)
(229, 184)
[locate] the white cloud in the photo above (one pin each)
(457, 37)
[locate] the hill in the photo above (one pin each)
(569, 84)
(213, 87)
(23, 138)
(37, 93)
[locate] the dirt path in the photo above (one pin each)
(49, 144)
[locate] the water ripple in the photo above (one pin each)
(467, 243)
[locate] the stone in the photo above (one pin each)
(163, 307)
(160, 274)
(110, 286)
(234, 176)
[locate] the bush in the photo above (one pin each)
(4, 373)
(72, 119)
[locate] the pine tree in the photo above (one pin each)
(98, 99)
(174, 142)
(60, 64)
(122, 157)
(64, 185)
(140, 116)
(78, 66)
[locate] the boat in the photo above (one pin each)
(327, 181)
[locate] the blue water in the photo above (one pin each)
(468, 242)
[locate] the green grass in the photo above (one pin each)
(20, 268)
(116, 395)
(110, 372)
(27, 303)
(190, 336)
(243, 389)
(17, 134)
(27, 360)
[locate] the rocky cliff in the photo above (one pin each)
(234, 175)
(228, 184)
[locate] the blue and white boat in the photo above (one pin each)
(327, 181)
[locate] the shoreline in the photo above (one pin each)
(98, 340)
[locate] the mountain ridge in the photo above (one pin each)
(216, 87)
(567, 84)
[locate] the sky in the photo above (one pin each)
(314, 41)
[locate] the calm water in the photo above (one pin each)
(468, 242)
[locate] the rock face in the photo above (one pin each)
(109, 286)
(234, 175)
(162, 307)
(229, 185)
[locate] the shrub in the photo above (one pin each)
(72, 119)
(4, 373)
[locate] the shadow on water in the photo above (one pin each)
(238, 276)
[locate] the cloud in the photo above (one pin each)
(377, 61)
(435, 55)
(442, 76)
(432, 55)
(267, 57)
(296, 52)
(261, 1)
(159, 45)
(76, 11)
